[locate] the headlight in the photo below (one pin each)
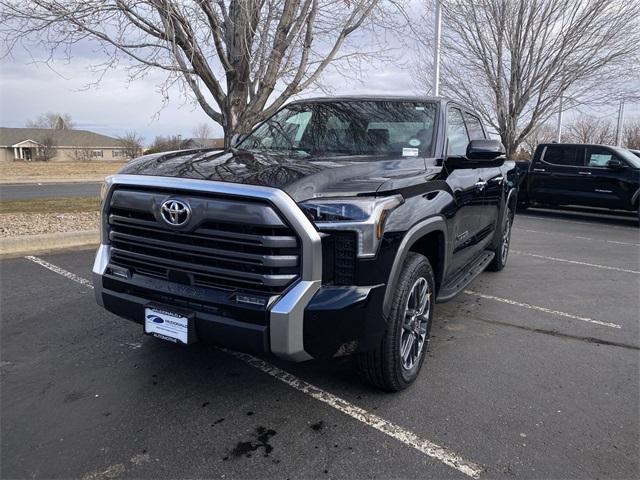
(104, 188)
(104, 192)
(365, 215)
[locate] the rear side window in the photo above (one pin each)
(564, 155)
(456, 133)
(474, 127)
(598, 157)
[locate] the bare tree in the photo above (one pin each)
(47, 149)
(166, 144)
(587, 129)
(544, 133)
(239, 59)
(512, 60)
(131, 144)
(631, 134)
(53, 121)
(202, 130)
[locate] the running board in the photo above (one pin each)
(455, 285)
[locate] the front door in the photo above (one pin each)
(468, 193)
(604, 186)
(27, 154)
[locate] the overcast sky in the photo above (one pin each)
(116, 106)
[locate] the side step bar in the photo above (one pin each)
(456, 284)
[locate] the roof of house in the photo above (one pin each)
(59, 138)
(203, 143)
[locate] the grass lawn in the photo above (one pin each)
(57, 170)
(50, 205)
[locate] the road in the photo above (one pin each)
(533, 372)
(25, 191)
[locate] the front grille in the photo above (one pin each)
(230, 243)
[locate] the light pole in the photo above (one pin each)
(620, 124)
(436, 51)
(559, 130)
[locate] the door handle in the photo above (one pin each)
(539, 170)
(498, 179)
(584, 173)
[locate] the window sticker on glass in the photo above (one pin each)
(414, 142)
(410, 152)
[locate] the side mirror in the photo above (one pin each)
(485, 150)
(615, 164)
(236, 139)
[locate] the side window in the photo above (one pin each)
(598, 157)
(456, 133)
(569, 155)
(474, 127)
(298, 124)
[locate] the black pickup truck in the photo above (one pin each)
(331, 229)
(577, 174)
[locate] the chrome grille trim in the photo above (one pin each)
(287, 311)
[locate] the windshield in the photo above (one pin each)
(628, 156)
(385, 128)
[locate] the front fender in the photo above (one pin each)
(415, 233)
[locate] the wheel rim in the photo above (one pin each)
(415, 323)
(506, 238)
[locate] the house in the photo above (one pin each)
(189, 143)
(28, 144)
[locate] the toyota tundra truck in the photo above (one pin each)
(333, 228)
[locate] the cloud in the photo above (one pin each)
(112, 107)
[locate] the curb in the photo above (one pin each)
(31, 244)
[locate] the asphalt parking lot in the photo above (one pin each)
(533, 372)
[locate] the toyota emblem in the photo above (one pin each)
(175, 212)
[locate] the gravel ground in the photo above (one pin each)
(14, 224)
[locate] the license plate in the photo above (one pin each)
(169, 326)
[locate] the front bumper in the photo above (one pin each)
(307, 321)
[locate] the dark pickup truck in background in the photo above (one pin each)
(332, 228)
(576, 174)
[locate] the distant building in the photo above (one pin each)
(188, 143)
(31, 144)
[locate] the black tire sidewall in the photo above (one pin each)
(415, 266)
(497, 263)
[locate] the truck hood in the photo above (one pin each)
(302, 177)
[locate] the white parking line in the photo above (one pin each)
(60, 271)
(541, 309)
(437, 452)
(623, 243)
(407, 437)
(565, 220)
(575, 262)
(591, 239)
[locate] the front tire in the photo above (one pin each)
(502, 250)
(397, 361)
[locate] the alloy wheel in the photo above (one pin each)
(415, 323)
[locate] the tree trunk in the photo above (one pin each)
(234, 120)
